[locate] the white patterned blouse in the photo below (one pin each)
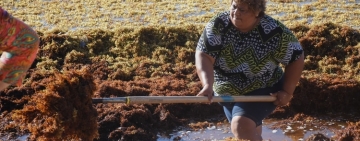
(247, 61)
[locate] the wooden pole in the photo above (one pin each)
(182, 99)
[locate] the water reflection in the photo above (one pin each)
(273, 129)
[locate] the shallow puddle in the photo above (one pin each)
(291, 131)
(295, 131)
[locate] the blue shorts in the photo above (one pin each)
(256, 111)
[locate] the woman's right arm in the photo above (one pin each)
(205, 69)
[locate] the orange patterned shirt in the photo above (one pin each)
(19, 44)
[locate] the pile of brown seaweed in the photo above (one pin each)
(61, 108)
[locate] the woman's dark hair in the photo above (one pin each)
(254, 5)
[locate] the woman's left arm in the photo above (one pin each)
(292, 77)
(292, 74)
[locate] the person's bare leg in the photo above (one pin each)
(259, 131)
(245, 129)
(3, 85)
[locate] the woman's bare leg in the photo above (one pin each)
(259, 131)
(245, 129)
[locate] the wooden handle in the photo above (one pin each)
(182, 99)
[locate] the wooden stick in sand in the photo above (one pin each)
(182, 99)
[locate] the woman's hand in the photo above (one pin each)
(282, 98)
(206, 91)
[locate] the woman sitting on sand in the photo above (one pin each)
(239, 53)
(19, 44)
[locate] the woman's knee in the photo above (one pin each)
(244, 128)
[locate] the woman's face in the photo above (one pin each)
(242, 17)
